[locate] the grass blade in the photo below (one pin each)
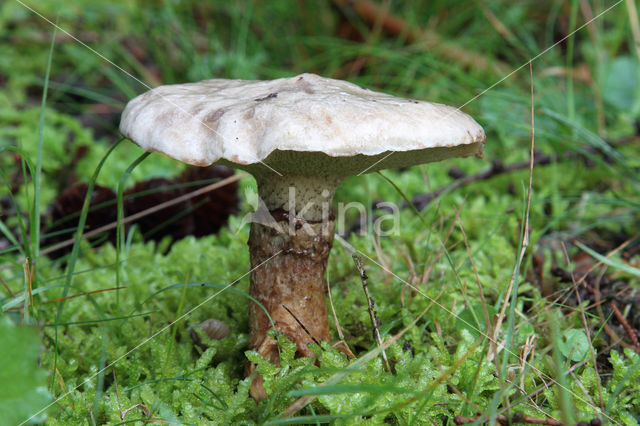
(120, 216)
(35, 211)
(75, 250)
(617, 265)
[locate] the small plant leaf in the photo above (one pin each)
(23, 386)
(621, 84)
(575, 344)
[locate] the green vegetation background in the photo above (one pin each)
(587, 98)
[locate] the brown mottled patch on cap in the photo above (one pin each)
(249, 114)
(214, 116)
(198, 108)
(167, 117)
(195, 161)
(304, 85)
(212, 120)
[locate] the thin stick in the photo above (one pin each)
(6, 286)
(346, 350)
(373, 315)
(498, 168)
(483, 300)
(421, 201)
(84, 293)
(615, 339)
(333, 310)
(625, 324)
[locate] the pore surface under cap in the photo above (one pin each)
(245, 122)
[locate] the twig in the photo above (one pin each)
(142, 407)
(84, 293)
(421, 201)
(483, 300)
(373, 315)
(515, 418)
(333, 310)
(6, 286)
(497, 168)
(303, 327)
(625, 324)
(615, 339)
(342, 340)
(413, 278)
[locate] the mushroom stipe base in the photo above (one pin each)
(288, 264)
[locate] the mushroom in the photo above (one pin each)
(299, 137)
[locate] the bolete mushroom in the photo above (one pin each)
(299, 137)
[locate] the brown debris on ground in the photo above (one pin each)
(65, 212)
(202, 215)
(600, 290)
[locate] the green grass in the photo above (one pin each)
(123, 343)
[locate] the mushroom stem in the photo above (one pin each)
(289, 256)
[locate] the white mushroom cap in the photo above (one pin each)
(302, 125)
